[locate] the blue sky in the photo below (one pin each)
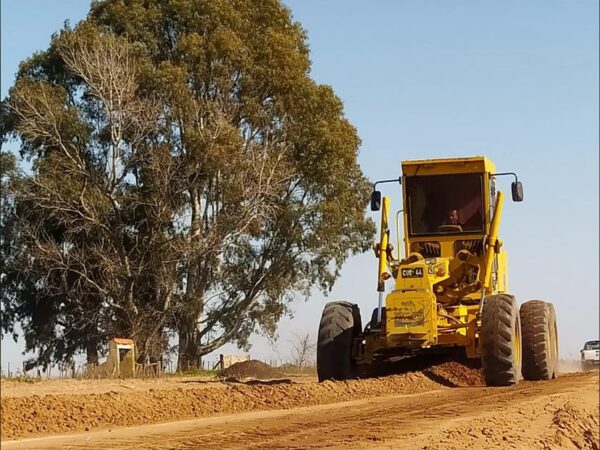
(515, 81)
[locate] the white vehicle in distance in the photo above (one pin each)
(590, 355)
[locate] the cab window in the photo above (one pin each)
(445, 204)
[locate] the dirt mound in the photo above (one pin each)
(456, 374)
(550, 415)
(250, 369)
(26, 416)
(447, 370)
(576, 427)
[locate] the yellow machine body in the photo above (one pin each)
(441, 276)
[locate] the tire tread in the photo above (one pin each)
(497, 334)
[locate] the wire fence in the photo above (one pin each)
(56, 371)
(82, 370)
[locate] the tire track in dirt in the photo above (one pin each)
(36, 415)
(558, 414)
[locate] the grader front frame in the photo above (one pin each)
(450, 285)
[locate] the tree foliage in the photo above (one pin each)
(187, 176)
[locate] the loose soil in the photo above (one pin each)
(34, 415)
(454, 374)
(250, 369)
(11, 388)
(423, 409)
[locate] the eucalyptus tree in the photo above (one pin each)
(188, 175)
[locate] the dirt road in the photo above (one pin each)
(560, 414)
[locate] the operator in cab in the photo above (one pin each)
(453, 218)
(452, 221)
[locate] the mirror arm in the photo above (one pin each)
(493, 175)
(395, 180)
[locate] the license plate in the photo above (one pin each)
(414, 272)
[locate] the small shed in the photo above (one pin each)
(120, 361)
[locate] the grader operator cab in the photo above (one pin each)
(449, 285)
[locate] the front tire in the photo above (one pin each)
(500, 340)
(540, 340)
(340, 323)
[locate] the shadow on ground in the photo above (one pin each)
(249, 382)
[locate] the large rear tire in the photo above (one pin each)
(340, 323)
(501, 341)
(540, 340)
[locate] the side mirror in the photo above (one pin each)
(375, 201)
(517, 191)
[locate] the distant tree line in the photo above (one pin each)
(179, 174)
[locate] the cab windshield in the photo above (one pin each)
(592, 345)
(445, 204)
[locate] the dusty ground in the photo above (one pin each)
(411, 410)
(12, 388)
(253, 369)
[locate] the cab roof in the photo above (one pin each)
(440, 166)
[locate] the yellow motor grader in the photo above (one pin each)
(448, 288)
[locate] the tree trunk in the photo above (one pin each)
(188, 357)
(92, 350)
(150, 341)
